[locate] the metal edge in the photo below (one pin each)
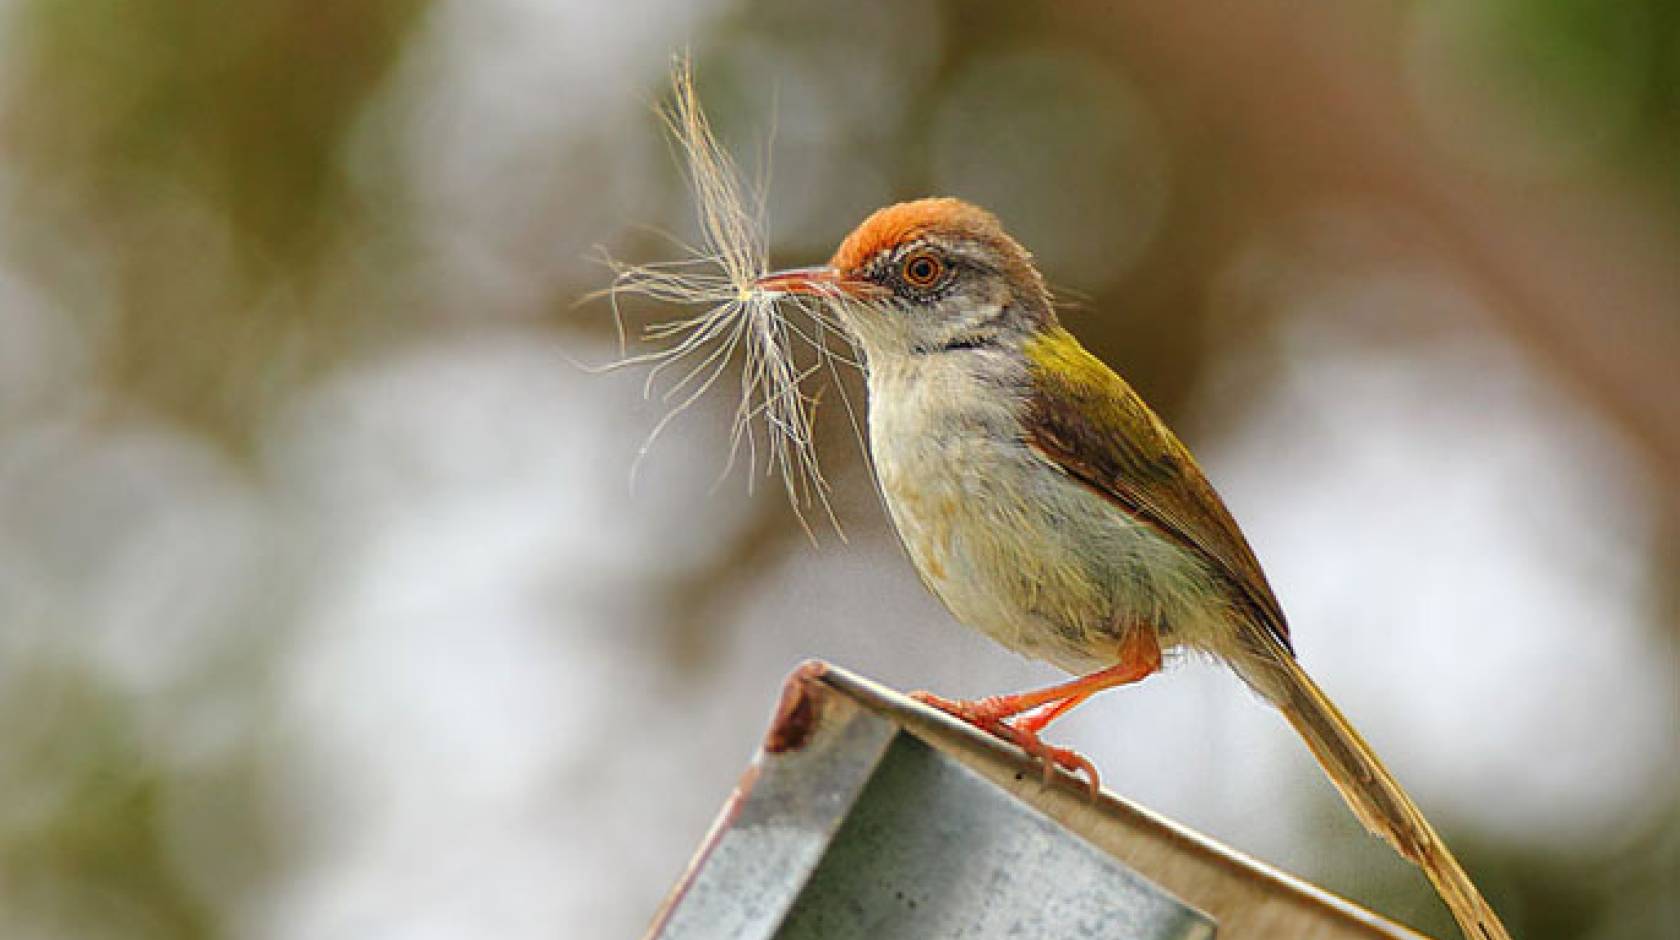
(714, 833)
(802, 711)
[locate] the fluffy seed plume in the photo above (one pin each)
(736, 321)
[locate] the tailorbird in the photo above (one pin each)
(1046, 505)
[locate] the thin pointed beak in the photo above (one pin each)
(820, 281)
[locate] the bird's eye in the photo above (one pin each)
(922, 269)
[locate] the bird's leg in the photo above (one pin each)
(1039, 720)
(1140, 657)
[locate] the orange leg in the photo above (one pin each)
(1140, 656)
(1039, 720)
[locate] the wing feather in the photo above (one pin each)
(1085, 420)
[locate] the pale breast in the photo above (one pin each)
(1010, 545)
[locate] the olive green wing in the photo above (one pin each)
(1085, 420)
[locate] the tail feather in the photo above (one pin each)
(1370, 790)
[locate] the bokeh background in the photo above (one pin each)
(327, 608)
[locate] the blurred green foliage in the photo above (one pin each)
(82, 854)
(191, 157)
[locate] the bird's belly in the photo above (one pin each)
(1030, 557)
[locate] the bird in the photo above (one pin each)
(1045, 504)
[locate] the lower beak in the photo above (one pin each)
(821, 281)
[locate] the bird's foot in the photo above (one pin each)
(980, 711)
(988, 715)
(1050, 756)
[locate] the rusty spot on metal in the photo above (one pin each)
(799, 710)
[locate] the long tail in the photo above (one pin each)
(1370, 790)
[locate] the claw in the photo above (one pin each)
(950, 706)
(1050, 756)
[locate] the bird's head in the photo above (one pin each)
(924, 276)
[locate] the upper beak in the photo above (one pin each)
(820, 281)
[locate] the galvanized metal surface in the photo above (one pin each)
(867, 814)
(933, 850)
